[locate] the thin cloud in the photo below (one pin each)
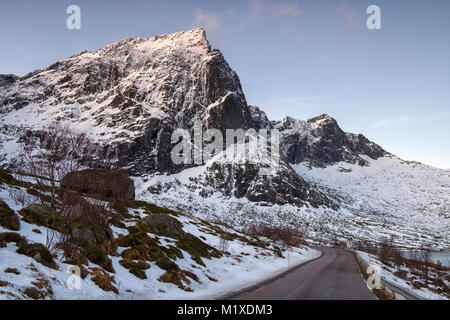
(257, 12)
(287, 9)
(211, 21)
(393, 121)
(405, 119)
(260, 10)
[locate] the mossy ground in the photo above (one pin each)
(8, 218)
(136, 267)
(41, 215)
(7, 178)
(36, 251)
(103, 280)
(177, 278)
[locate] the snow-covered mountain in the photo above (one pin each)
(131, 95)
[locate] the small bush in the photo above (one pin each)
(41, 215)
(136, 267)
(33, 293)
(104, 281)
(131, 254)
(99, 256)
(7, 237)
(12, 270)
(38, 252)
(402, 274)
(417, 284)
(177, 278)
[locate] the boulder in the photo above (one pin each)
(100, 182)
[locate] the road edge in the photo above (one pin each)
(380, 294)
(253, 287)
(389, 290)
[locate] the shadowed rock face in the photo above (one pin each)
(321, 142)
(284, 187)
(100, 182)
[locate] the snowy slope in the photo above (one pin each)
(388, 197)
(407, 199)
(387, 273)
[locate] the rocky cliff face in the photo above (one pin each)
(321, 142)
(131, 95)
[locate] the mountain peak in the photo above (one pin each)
(191, 38)
(322, 118)
(194, 40)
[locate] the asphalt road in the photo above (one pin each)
(334, 276)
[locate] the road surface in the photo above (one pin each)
(334, 276)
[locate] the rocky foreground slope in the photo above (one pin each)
(131, 95)
(125, 249)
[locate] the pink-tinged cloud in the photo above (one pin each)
(352, 21)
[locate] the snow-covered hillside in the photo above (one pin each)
(391, 196)
(180, 272)
(388, 197)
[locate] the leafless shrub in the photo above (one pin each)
(287, 235)
(223, 244)
(252, 229)
(84, 222)
(414, 261)
(386, 249)
(20, 196)
(397, 256)
(426, 258)
(439, 271)
(366, 246)
(48, 155)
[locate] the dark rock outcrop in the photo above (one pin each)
(284, 187)
(320, 141)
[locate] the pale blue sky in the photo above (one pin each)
(297, 58)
